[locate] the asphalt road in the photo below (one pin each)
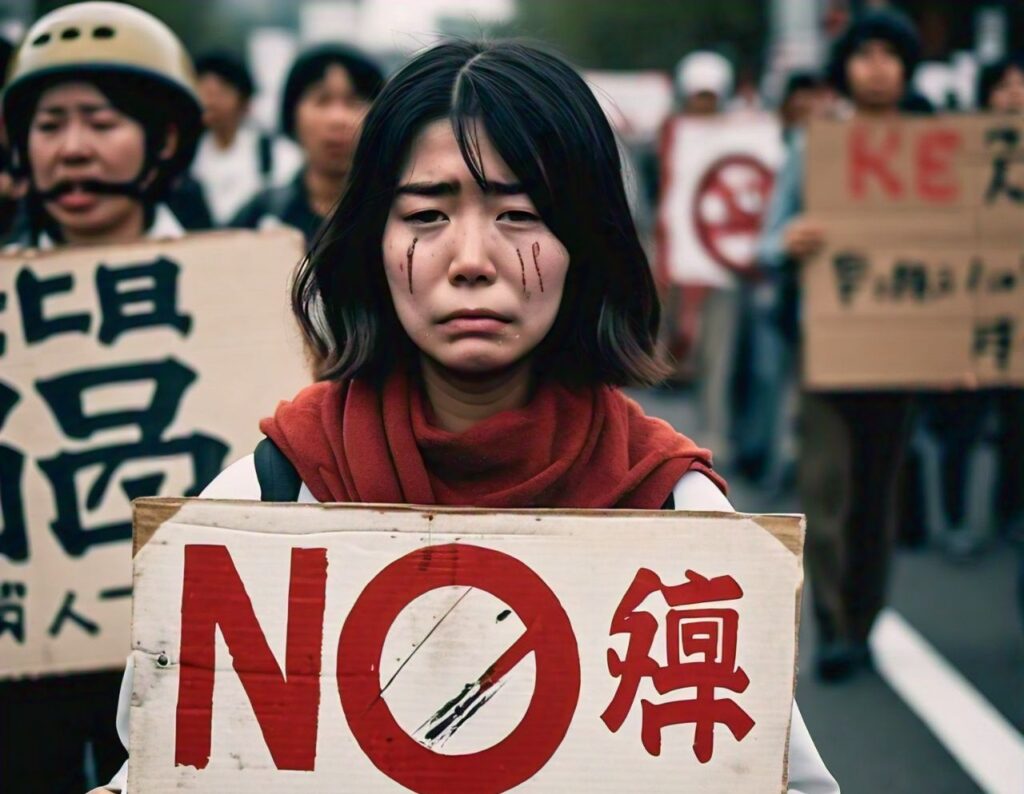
(870, 736)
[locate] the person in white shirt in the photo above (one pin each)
(235, 160)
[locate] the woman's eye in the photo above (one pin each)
(426, 216)
(46, 126)
(518, 216)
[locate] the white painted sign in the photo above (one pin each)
(125, 371)
(362, 648)
(717, 180)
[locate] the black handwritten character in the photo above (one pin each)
(127, 305)
(3, 336)
(995, 338)
(999, 184)
(37, 325)
(910, 279)
(851, 270)
(13, 534)
(66, 613)
(66, 397)
(12, 611)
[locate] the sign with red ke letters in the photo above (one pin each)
(921, 283)
(380, 648)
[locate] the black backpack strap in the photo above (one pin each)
(266, 156)
(279, 482)
(670, 503)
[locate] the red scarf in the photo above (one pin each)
(594, 448)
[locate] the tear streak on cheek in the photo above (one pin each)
(408, 258)
(536, 264)
(522, 271)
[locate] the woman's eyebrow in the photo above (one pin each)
(429, 189)
(491, 188)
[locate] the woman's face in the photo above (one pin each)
(328, 118)
(1008, 94)
(75, 135)
(475, 275)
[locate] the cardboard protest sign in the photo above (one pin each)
(124, 371)
(717, 177)
(922, 280)
(381, 648)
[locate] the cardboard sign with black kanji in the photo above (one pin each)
(381, 648)
(125, 371)
(921, 283)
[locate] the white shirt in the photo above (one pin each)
(694, 491)
(230, 177)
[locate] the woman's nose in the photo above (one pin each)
(472, 263)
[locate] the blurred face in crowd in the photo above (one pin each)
(224, 106)
(327, 122)
(77, 135)
(475, 275)
(701, 103)
(799, 106)
(875, 75)
(1008, 94)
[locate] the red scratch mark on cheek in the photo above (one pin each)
(522, 270)
(536, 264)
(408, 259)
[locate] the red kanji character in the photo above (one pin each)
(706, 633)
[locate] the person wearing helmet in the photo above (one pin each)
(102, 118)
(704, 81)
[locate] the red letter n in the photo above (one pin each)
(864, 162)
(285, 704)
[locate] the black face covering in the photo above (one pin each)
(132, 188)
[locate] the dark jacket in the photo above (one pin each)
(288, 204)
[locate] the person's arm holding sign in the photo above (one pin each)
(477, 301)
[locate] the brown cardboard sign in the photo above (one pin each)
(921, 283)
(396, 649)
(124, 371)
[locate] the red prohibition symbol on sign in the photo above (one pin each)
(549, 636)
(727, 207)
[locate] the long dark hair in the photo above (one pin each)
(547, 126)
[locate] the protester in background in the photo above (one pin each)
(704, 82)
(765, 426)
(1001, 90)
(327, 93)
(1001, 85)
(100, 126)
(852, 444)
(235, 160)
(802, 98)
(446, 379)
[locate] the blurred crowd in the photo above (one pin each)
(872, 469)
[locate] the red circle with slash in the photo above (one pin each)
(549, 636)
(741, 219)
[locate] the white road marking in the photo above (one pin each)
(988, 747)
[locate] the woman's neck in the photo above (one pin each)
(460, 402)
(323, 190)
